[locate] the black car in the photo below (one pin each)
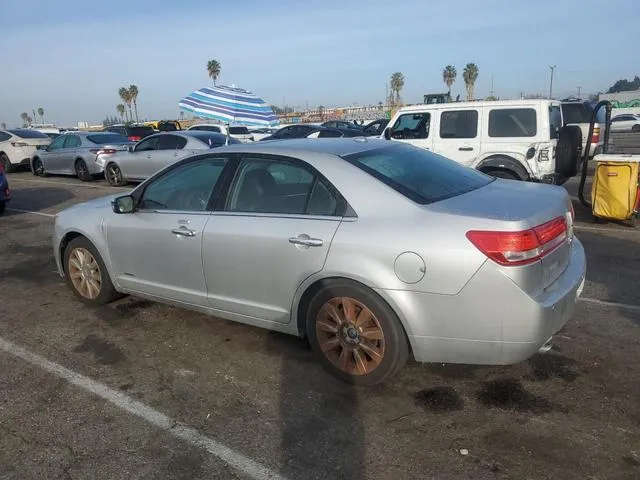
(133, 133)
(342, 125)
(306, 130)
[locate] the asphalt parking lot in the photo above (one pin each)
(141, 390)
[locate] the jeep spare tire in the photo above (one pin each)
(569, 151)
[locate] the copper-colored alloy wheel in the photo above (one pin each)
(350, 336)
(84, 273)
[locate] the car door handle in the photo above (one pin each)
(465, 149)
(184, 231)
(306, 241)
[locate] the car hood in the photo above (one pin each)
(94, 204)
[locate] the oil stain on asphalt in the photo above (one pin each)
(116, 315)
(439, 399)
(105, 352)
(509, 394)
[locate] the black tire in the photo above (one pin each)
(113, 174)
(38, 168)
(569, 151)
(106, 292)
(82, 172)
(501, 173)
(635, 128)
(393, 345)
(6, 163)
(3, 207)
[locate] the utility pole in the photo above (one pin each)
(579, 88)
(552, 68)
(491, 94)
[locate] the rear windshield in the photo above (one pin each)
(422, 176)
(238, 131)
(27, 133)
(575, 113)
(140, 131)
(107, 138)
(206, 128)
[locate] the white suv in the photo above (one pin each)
(515, 139)
(17, 146)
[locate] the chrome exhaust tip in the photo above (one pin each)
(546, 346)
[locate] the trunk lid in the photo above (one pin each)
(512, 206)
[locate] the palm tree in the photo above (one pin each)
(133, 94)
(126, 98)
(213, 68)
(449, 75)
(41, 113)
(121, 111)
(470, 75)
(25, 118)
(396, 83)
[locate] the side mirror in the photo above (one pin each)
(130, 148)
(123, 204)
(387, 133)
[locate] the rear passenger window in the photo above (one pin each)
(459, 124)
(411, 126)
(513, 122)
(279, 186)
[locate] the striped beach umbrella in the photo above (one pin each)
(230, 105)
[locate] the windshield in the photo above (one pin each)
(107, 138)
(422, 176)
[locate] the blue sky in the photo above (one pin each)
(71, 57)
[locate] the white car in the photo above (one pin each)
(625, 123)
(17, 146)
(513, 139)
(238, 132)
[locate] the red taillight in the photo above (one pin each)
(596, 135)
(100, 151)
(134, 138)
(520, 248)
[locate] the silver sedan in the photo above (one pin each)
(371, 251)
(155, 152)
(76, 154)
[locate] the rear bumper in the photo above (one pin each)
(491, 321)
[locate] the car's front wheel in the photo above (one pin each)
(114, 175)
(355, 334)
(38, 168)
(87, 274)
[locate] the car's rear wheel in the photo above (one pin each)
(82, 172)
(6, 163)
(87, 274)
(355, 334)
(114, 175)
(635, 128)
(38, 168)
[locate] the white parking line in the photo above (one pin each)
(68, 184)
(230, 457)
(51, 215)
(604, 303)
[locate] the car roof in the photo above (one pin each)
(477, 104)
(299, 146)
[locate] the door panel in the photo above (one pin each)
(50, 156)
(458, 135)
(137, 163)
(148, 256)
(254, 264)
(65, 161)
